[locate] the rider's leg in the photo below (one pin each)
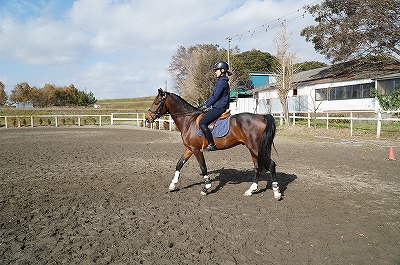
(209, 117)
(207, 133)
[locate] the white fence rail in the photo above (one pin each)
(137, 119)
(166, 122)
(329, 116)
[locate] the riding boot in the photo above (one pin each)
(211, 145)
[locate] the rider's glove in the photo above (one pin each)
(202, 107)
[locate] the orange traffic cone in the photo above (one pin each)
(391, 154)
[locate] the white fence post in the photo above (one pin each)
(378, 126)
(308, 120)
(31, 121)
(56, 120)
(327, 121)
(351, 124)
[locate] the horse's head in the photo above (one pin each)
(158, 108)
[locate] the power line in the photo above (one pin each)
(270, 25)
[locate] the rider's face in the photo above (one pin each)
(218, 72)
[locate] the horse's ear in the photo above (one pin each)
(160, 92)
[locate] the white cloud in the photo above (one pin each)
(120, 48)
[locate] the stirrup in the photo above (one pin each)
(210, 147)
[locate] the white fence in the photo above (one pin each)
(137, 119)
(329, 116)
(166, 122)
(48, 119)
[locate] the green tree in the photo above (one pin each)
(305, 66)
(22, 93)
(391, 101)
(254, 60)
(3, 95)
(350, 29)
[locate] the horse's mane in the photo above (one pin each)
(183, 102)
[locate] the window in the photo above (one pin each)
(321, 94)
(346, 92)
(389, 85)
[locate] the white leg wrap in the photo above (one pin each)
(176, 177)
(275, 188)
(208, 185)
(253, 187)
(174, 180)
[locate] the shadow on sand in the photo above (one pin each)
(233, 177)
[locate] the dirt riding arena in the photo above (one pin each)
(100, 196)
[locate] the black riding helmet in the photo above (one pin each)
(221, 65)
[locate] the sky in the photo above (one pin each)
(123, 48)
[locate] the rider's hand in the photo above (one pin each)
(202, 107)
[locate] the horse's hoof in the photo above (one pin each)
(203, 193)
(171, 187)
(248, 193)
(278, 196)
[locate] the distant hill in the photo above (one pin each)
(130, 104)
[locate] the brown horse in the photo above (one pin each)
(253, 130)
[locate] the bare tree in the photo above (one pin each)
(284, 68)
(191, 71)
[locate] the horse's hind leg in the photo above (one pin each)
(254, 185)
(203, 167)
(275, 185)
(181, 162)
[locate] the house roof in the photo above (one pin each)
(353, 70)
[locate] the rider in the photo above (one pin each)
(217, 104)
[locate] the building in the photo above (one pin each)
(346, 87)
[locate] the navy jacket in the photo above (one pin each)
(220, 96)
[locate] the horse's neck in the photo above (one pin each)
(182, 113)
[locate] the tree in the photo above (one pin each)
(22, 93)
(3, 95)
(284, 68)
(254, 60)
(191, 70)
(391, 101)
(351, 29)
(305, 66)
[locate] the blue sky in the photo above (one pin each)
(122, 48)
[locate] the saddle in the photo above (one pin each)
(223, 116)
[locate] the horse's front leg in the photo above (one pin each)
(181, 162)
(254, 185)
(202, 163)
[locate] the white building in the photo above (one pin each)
(350, 88)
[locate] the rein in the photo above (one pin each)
(161, 106)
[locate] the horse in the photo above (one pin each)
(255, 131)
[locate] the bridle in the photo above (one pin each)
(162, 107)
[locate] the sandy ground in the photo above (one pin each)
(94, 195)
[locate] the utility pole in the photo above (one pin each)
(229, 48)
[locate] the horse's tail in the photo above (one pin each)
(266, 142)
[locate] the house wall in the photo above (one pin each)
(305, 101)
